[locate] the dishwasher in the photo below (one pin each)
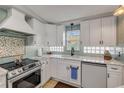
(94, 75)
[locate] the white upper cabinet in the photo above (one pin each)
(85, 33)
(39, 29)
(95, 32)
(51, 36)
(60, 32)
(109, 31)
(99, 32)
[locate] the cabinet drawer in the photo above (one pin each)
(114, 68)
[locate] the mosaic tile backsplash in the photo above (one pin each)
(11, 46)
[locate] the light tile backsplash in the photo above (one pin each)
(88, 50)
(100, 50)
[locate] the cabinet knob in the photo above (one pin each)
(114, 68)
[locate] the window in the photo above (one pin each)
(73, 37)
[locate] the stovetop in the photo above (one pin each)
(12, 65)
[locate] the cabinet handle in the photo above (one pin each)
(108, 75)
(46, 62)
(81, 42)
(100, 42)
(62, 43)
(114, 68)
(47, 43)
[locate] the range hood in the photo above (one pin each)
(16, 22)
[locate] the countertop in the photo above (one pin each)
(91, 59)
(3, 71)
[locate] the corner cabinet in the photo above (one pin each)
(99, 32)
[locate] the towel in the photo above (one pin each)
(74, 73)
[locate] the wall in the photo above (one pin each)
(120, 30)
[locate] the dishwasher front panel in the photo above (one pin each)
(94, 75)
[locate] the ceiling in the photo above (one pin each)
(61, 13)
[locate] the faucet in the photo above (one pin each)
(72, 51)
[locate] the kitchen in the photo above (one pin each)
(77, 49)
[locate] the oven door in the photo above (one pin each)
(29, 79)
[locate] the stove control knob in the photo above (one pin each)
(20, 70)
(13, 73)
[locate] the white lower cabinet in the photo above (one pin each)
(45, 71)
(64, 71)
(114, 78)
(53, 67)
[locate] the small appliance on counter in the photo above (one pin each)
(107, 55)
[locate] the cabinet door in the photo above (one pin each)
(85, 33)
(109, 31)
(51, 34)
(53, 67)
(62, 70)
(43, 74)
(95, 32)
(48, 75)
(45, 71)
(39, 29)
(60, 33)
(114, 79)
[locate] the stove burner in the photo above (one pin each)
(12, 65)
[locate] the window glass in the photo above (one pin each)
(73, 37)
